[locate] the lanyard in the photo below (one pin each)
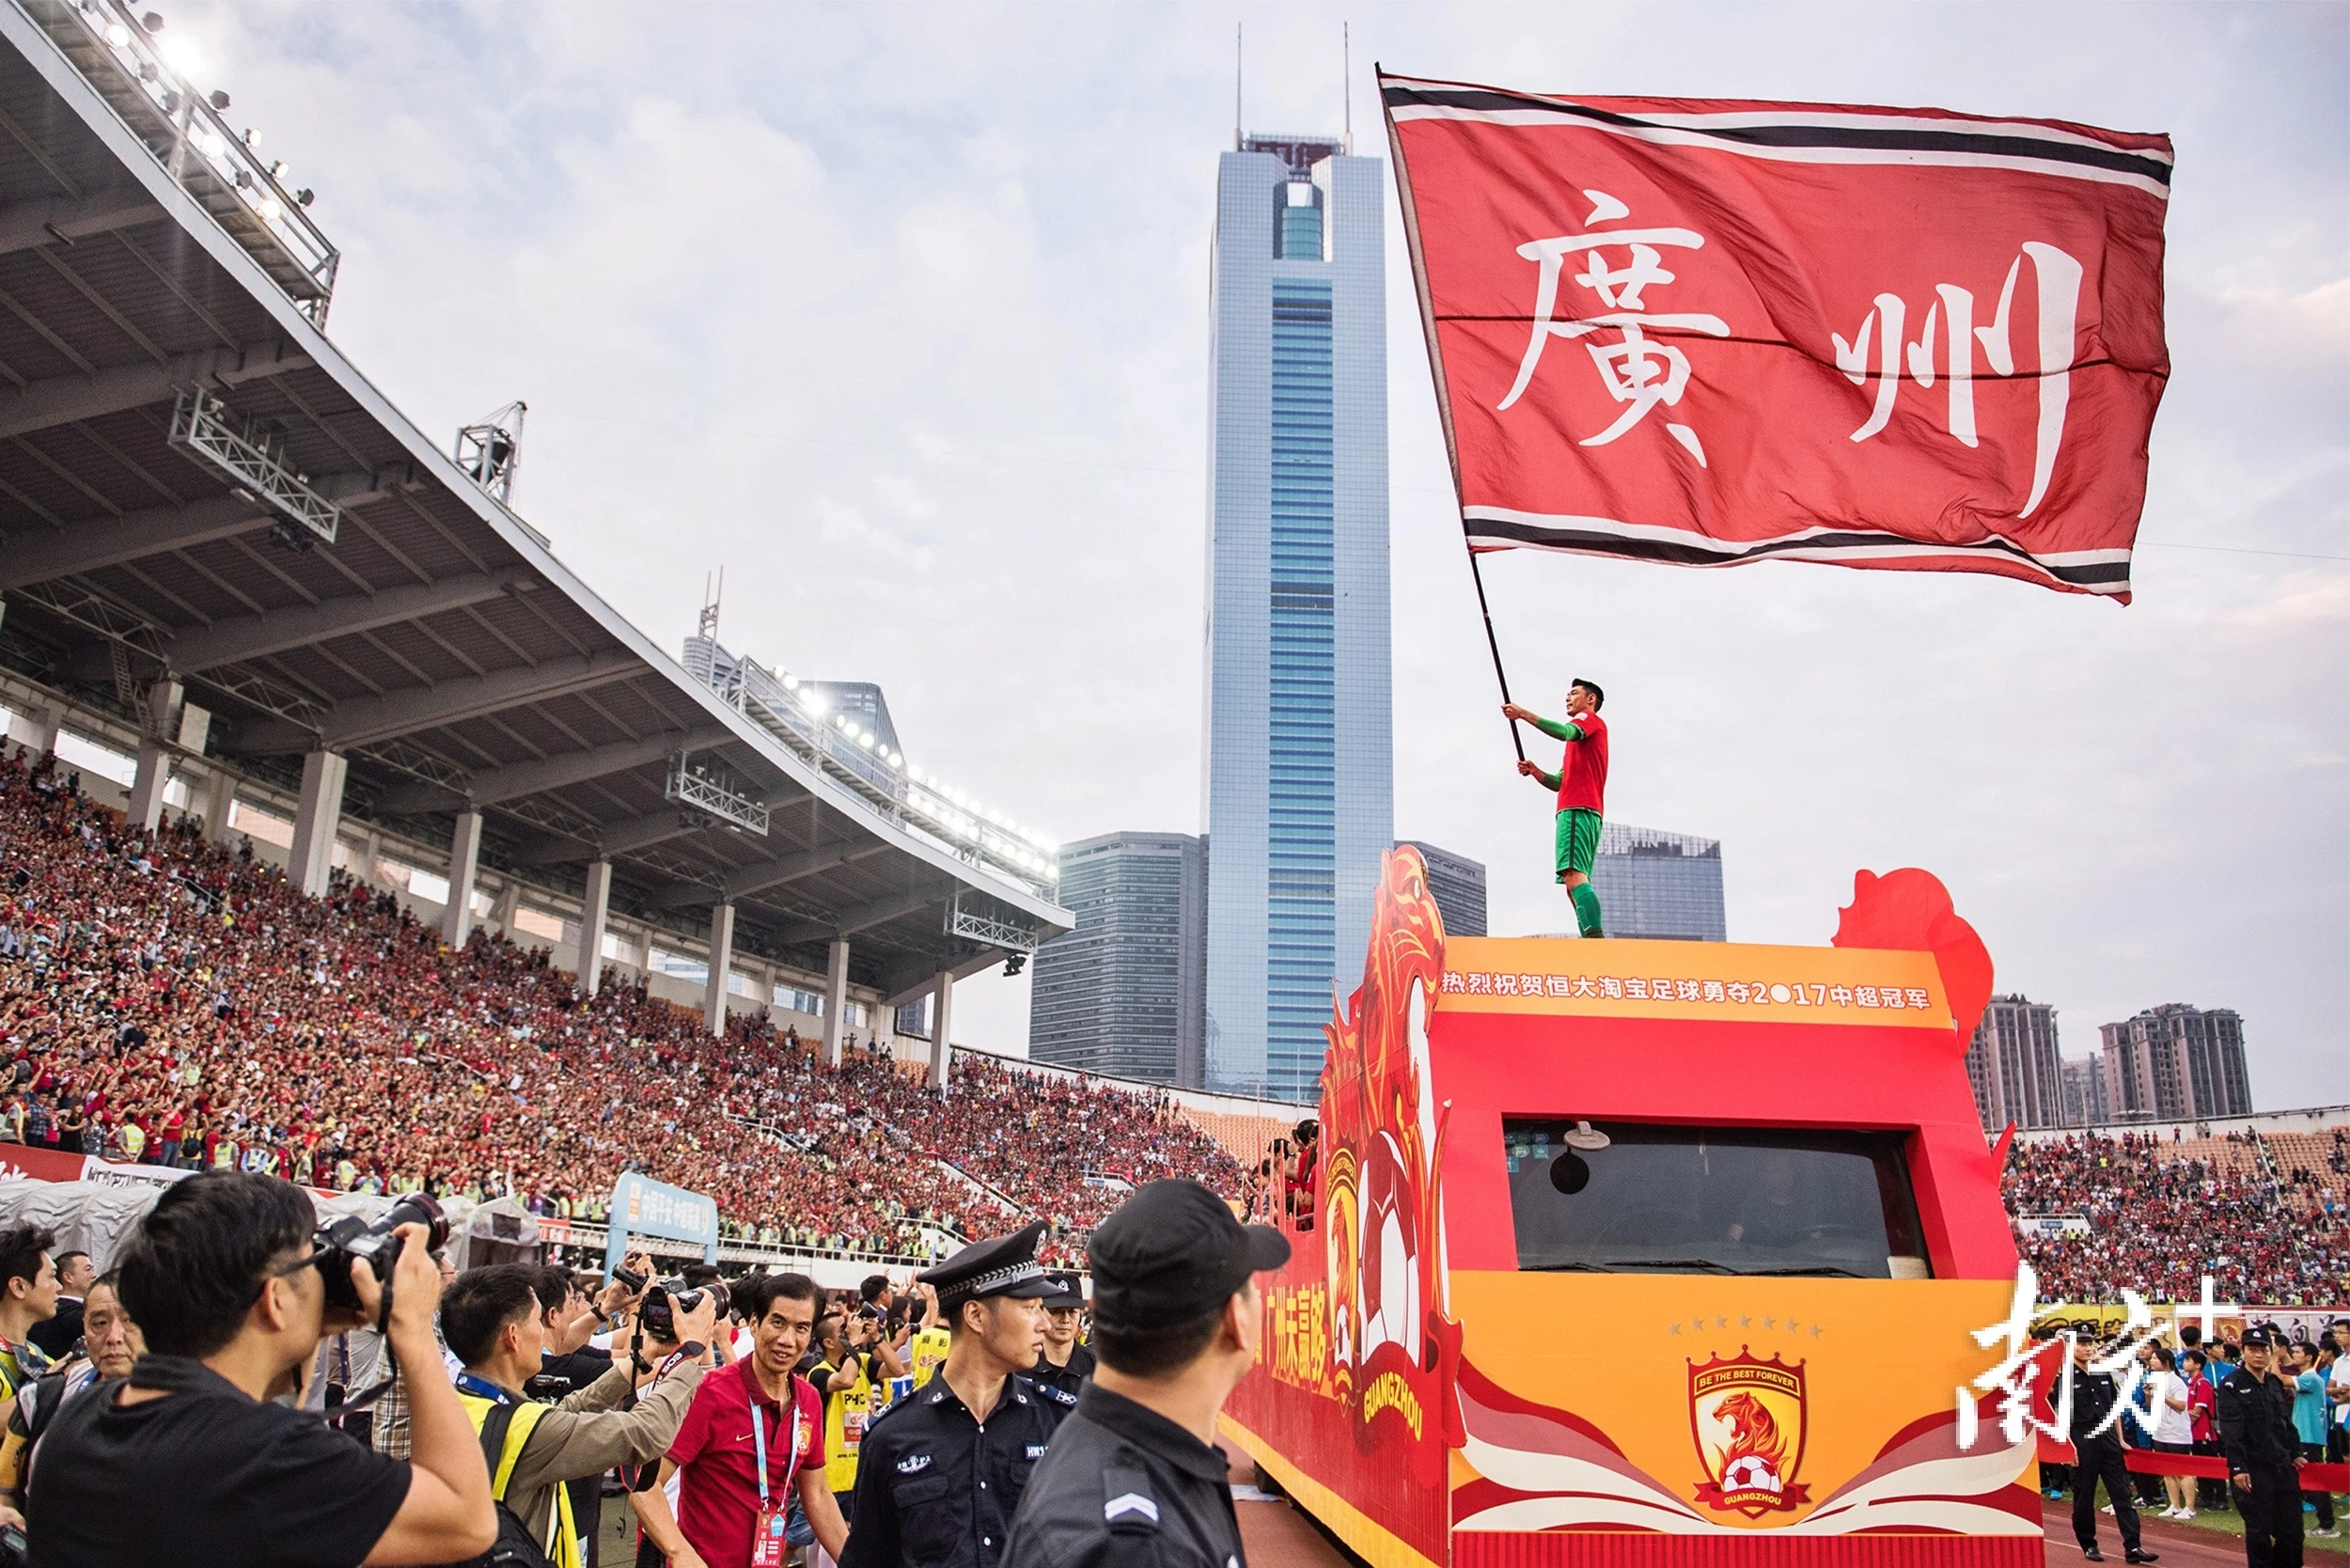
(483, 1389)
(758, 1437)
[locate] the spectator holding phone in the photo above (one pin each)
(188, 1461)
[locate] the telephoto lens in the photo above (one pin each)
(351, 1239)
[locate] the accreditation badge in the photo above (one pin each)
(769, 1548)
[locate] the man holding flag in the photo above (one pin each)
(1581, 783)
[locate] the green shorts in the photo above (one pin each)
(1578, 837)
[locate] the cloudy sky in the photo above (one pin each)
(899, 313)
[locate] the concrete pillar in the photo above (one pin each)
(220, 792)
(721, 958)
(45, 722)
(502, 910)
(942, 1027)
(154, 770)
(464, 858)
(320, 813)
(836, 998)
(591, 922)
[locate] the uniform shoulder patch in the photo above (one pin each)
(1057, 1395)
(1127, 1505)
(913, 1462)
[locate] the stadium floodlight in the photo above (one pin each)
(181, 53)
(117, 35)
(790, 682)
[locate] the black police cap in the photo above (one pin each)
(1173, 1252)
(2259, 1338)
(1068, 1293)
(1001, 1265)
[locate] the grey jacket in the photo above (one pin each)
(587, 1435)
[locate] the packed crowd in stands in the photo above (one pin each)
(2159, 1221)
(165, 999)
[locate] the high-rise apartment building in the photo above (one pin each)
(2014, 1067)
(1298, 764)
(2176, 1064)
(1458, 884)
(1659, 884)
(2085, 1104)
(1123, 993)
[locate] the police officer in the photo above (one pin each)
(2254, 1407)
(1134, 1478)
(2099, 1457)
(942, 1470)
(1060, 1372)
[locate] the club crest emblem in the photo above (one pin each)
(1747, 1418)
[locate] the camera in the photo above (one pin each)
(341, 1242)
(547, 1387)
(629, 1277)
(668, 1297)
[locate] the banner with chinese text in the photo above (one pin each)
(1707, 333)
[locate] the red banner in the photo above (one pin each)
(1708, 333)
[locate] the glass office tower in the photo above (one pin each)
(1299, 769)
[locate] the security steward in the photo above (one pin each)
(1134, 1478)
(2097, 1449)
(2254, 1409)
(942, 1470)
(1061, 1372)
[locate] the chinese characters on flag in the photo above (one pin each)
(1710, 333)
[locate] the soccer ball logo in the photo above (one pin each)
(1750, 1473)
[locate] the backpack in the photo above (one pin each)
(515, 1546)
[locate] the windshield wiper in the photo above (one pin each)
(1632, 1266)
(1811, 1268)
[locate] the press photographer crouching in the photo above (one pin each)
(186, 1461)
(492, 1318)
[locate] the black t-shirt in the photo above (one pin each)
(206, 1475)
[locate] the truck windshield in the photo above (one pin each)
(1634, 1198)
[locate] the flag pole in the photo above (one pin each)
(1494, 648)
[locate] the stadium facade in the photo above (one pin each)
(1660, 884)
(1125, 992)
(2176, 1062)
(231, 559)
(1298, 763)
(1458, 884)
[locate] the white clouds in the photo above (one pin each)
(900, 314)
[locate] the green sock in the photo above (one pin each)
(1586, 908)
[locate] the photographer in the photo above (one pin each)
(851, 1369)
(493, 1319)
(225, 1282)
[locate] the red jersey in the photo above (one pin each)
(716, 1453)
(1583, 771)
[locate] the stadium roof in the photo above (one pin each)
(193, 480)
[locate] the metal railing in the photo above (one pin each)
(775, 704)
(182, 125)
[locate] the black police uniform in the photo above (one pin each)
(1069, 1380)
(2100, 1457)
(1124, 1487)
(2256, 1432)
(1123, 1484)
(936, 1487)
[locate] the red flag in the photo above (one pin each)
(1708, 333)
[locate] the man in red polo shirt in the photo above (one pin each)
(730, 1507)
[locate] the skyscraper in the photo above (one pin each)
(2085, 1092)
(2176, 1064)
(1660, 884)
(1123, 994)
(1299, 770)
(2012, 1062)
(1458, 884)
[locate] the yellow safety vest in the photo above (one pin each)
(563, 1550)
